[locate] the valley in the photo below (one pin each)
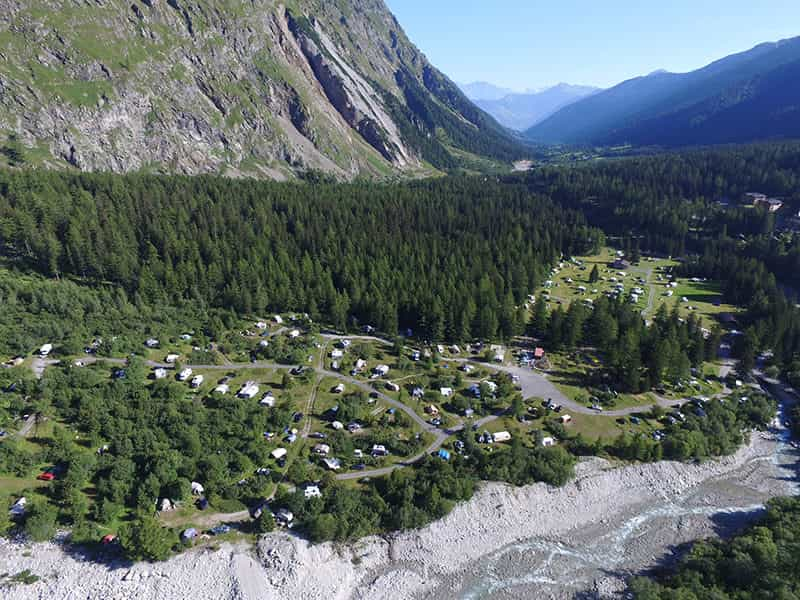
(285, 312)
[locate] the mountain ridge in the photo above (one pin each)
(257, 88)
(628, 112)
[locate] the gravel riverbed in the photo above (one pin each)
(530, 542)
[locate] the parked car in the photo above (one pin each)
(220, 529)
(46, 476)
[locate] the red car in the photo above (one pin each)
(46, 477)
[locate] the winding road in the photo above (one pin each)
(533, 384)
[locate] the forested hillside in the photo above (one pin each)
(760, 563)
(744, 97)
(671, 205)
(453, 258)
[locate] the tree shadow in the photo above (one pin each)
(725, 525)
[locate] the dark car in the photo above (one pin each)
(257, 509)
(297, 417)
(220, 529)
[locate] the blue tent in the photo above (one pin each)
(444, 454)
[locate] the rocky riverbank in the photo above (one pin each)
(535, 541)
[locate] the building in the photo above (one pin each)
(151, 343)
(432, 410)
(501, 436)
(294, 333)
(334, 464)
(446, 392)
(379, 450)
(45, 350)
(538, 353)
(548, 441)
(160, 373)
(312, 491)
(565, 419)
(322, 449)
(620, 264)
(197, 488)
(339, 389)
(499, 353)
(284, 517)
(392, 387)
(268, 400)
(185, 374)
(172, 358)
(279, 453)
(197, 381)
(248, 391)
(762, 200)
(18, 508)
(337, 354)
(222, 388)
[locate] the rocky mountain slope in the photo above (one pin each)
(241, 87)
(744, 97)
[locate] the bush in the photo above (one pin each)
(145, 539)
(40, 525)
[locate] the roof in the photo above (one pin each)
(538, 353)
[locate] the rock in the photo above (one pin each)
(274, 96)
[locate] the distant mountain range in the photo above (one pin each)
(521, 110)
(481, 90)
(753, 95)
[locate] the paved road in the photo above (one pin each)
(533, 385)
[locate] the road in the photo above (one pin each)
(533, 385)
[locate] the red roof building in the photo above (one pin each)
(538, 353)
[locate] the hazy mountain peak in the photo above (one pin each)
(521, 110)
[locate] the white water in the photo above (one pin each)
(542, 567)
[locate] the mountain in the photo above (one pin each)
(480, 90)
(521, 111)
(744, 97)
(241, 87)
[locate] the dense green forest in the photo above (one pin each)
(762, 563)
(121, 257)
(450, 258)
(637, 357)
(155, 441)
(689, 205)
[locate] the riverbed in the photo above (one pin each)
(532, 542)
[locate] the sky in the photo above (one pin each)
(529, 44)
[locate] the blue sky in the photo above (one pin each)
(533, 43)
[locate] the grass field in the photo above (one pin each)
(651, 275)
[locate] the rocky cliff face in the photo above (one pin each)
(241, 87)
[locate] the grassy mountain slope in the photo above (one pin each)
(242, 87)
(627, 111)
